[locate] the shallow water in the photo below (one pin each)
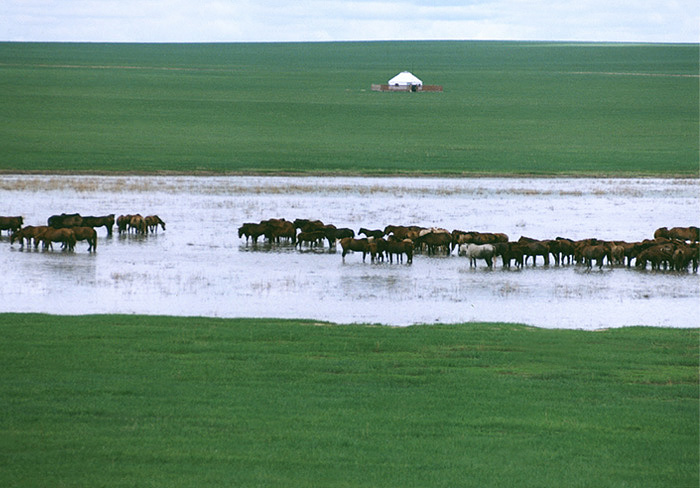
(199, 266)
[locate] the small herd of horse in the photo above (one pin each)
(68, 229)
(672, 249)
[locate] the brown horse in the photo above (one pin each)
(312, 238)
(598, 252)
(661, 254)
(138, 224)
(435, 241)
(404, 246)
(64, 236)
(356, 245)
(684, 255)
(533, 247)
(123, 223)
(276, 229)
(152, 223)
(377, 248)
(251, 230)
(10, 224)
(106, 221)
(691, 234)
(86, 234)
(307, 225)
(511, 251)
(29, 232)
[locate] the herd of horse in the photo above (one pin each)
(68, 229)
(672, 249)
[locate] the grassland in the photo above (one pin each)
(158, 401)
(507, 108)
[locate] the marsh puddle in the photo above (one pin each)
(199, 266)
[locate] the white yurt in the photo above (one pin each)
(405, 78)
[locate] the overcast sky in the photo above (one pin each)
(337, 20)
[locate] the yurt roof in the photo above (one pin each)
(405, 78)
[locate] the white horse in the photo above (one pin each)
(475, 251)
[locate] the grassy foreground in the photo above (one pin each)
(159, 401)
(522, 108)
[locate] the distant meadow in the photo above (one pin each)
(523, 108)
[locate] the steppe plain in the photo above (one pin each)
(109, 400)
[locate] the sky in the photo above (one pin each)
(351, 20)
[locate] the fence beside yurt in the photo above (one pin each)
(407, 88)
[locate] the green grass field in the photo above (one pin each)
(157, 401)
(507, 108)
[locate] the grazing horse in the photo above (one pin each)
(276, 229)
(478, 251)
(86, 234)
(251, 230)
(11, 224)
(29, 232)
(152, 223)
(106, 221)
(123, 223)
(138, 223)
(661, 254)
(356, 245)
(64, 236)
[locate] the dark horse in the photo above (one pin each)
(64, 221)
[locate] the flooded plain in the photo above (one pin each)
(198, 266)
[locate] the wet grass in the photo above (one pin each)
(155, 401)
(508, 108)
